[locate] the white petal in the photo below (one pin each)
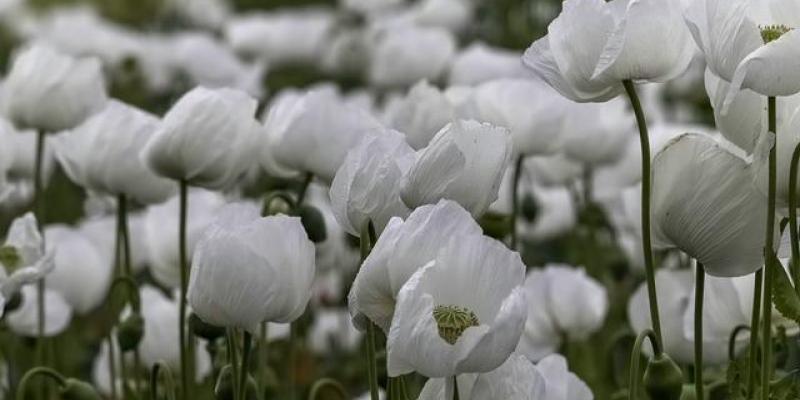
(745, 119)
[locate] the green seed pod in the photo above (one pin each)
(276, 205)
(663, 379)
(74, 389)
(205, 330)
(529, 208)
(313, 222)
(130, 332)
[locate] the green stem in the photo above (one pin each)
(587, 185)
(263, 355)
(133, 292)
(732, 340)
(243, 369)
(636, 354)
(184, 271)
(233, 360)
(49, 372)
(795, 264)
(327, 382)
(515, 200)
(301, 195)
(699, 285)
(155, 374)
(766, 337)
(112, 366)
(644, 141)
(137, 367)
(38, 210)
(372, 368)
(754, 320)
(455, 388)
(123, 372)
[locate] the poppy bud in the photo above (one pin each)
(663, 379)
(203, 329)
(74, 389)
(130, 332)
(313, 222)
(529, 208)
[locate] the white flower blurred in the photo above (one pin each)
(402, 56)
(479, 62)
(331, 330)
(420, 114)
(24, 320)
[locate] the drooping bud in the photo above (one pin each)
(453, 321)
(663, 379)
(130, 332)
(203, 329)
(313, 222)
(771, 33)
(74, 389)
(529, 208)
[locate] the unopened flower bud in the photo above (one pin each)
(529, 208)
(130, 332)
(74, 389)
(313, 222)
(663, 379)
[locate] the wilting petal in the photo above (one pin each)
(705, 203)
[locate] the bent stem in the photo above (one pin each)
(795, 264)
(644, 141)
(515, 200)
(372, 367)
(732, 340)
(327, 382)
(699, 286)
(48, 372)
(633, 382)
(766, 351)
(184, 269)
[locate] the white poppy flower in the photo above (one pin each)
(81, 274)
(560, 383)
(404, 55)
(516, 379)
(102, 232)
(338, 252)
(420, 114)
(593, 45)
(331, 330)
(247, 269)
(101, 154)
(529, 109)
(161, 335)
(478, 63)
(553, 171)
(161, 232)
(464, 162)
(556, 214)
(453, 15)
(367, 185)
(462, 312)
(210, 14)
(562, 301)
(705, 203)
(597, 134)
(403, 248)
(24, 320)
(28, 263)
(282, 37)
(787, 139)
(313, 132)
(207, 138)
(50, 91)
(750, 44)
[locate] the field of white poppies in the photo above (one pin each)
(399, 199)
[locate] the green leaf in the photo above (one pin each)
(784, 296)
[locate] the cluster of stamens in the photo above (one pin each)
(453, 321)
(771, 33)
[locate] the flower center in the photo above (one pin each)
(770, 33)
(9, 257)
(453, 321)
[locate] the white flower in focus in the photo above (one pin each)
(101, 154)
(50, 91)
(247, 269)
(464, 162)
(593, 45)
(405, 55)
(367, 185)
(562, 302)
(463, 312)
(24, 320)
(423, 112)
(207, 138)
(403, 248)
(704, 202)
(161, 232)
(81, 275)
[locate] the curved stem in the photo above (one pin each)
(327, 382)
(515, 200)
(754, 319)
(732, 340)
(644, 141)
(184, 270)
(795, 264)
(372, 368)
(766, 351)
(243, 369)
(636, 354)
(155, 374)
(699, 285)
(133, 291)
(49, 372)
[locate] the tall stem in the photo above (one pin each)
(127, 269)
(766, 338)
(263, 356)
(112, 366)
(455, 388)
(644, 141)
(372, 368)
(795, 262)
(753, 349)
(699, 286)
(515, 200)
(184, 269)
(243, 369)
(38, 210)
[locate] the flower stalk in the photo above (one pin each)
(184, 271)
(515, 200)
(766, 351)
(367, 236)
(794, 266)
(699, 287)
